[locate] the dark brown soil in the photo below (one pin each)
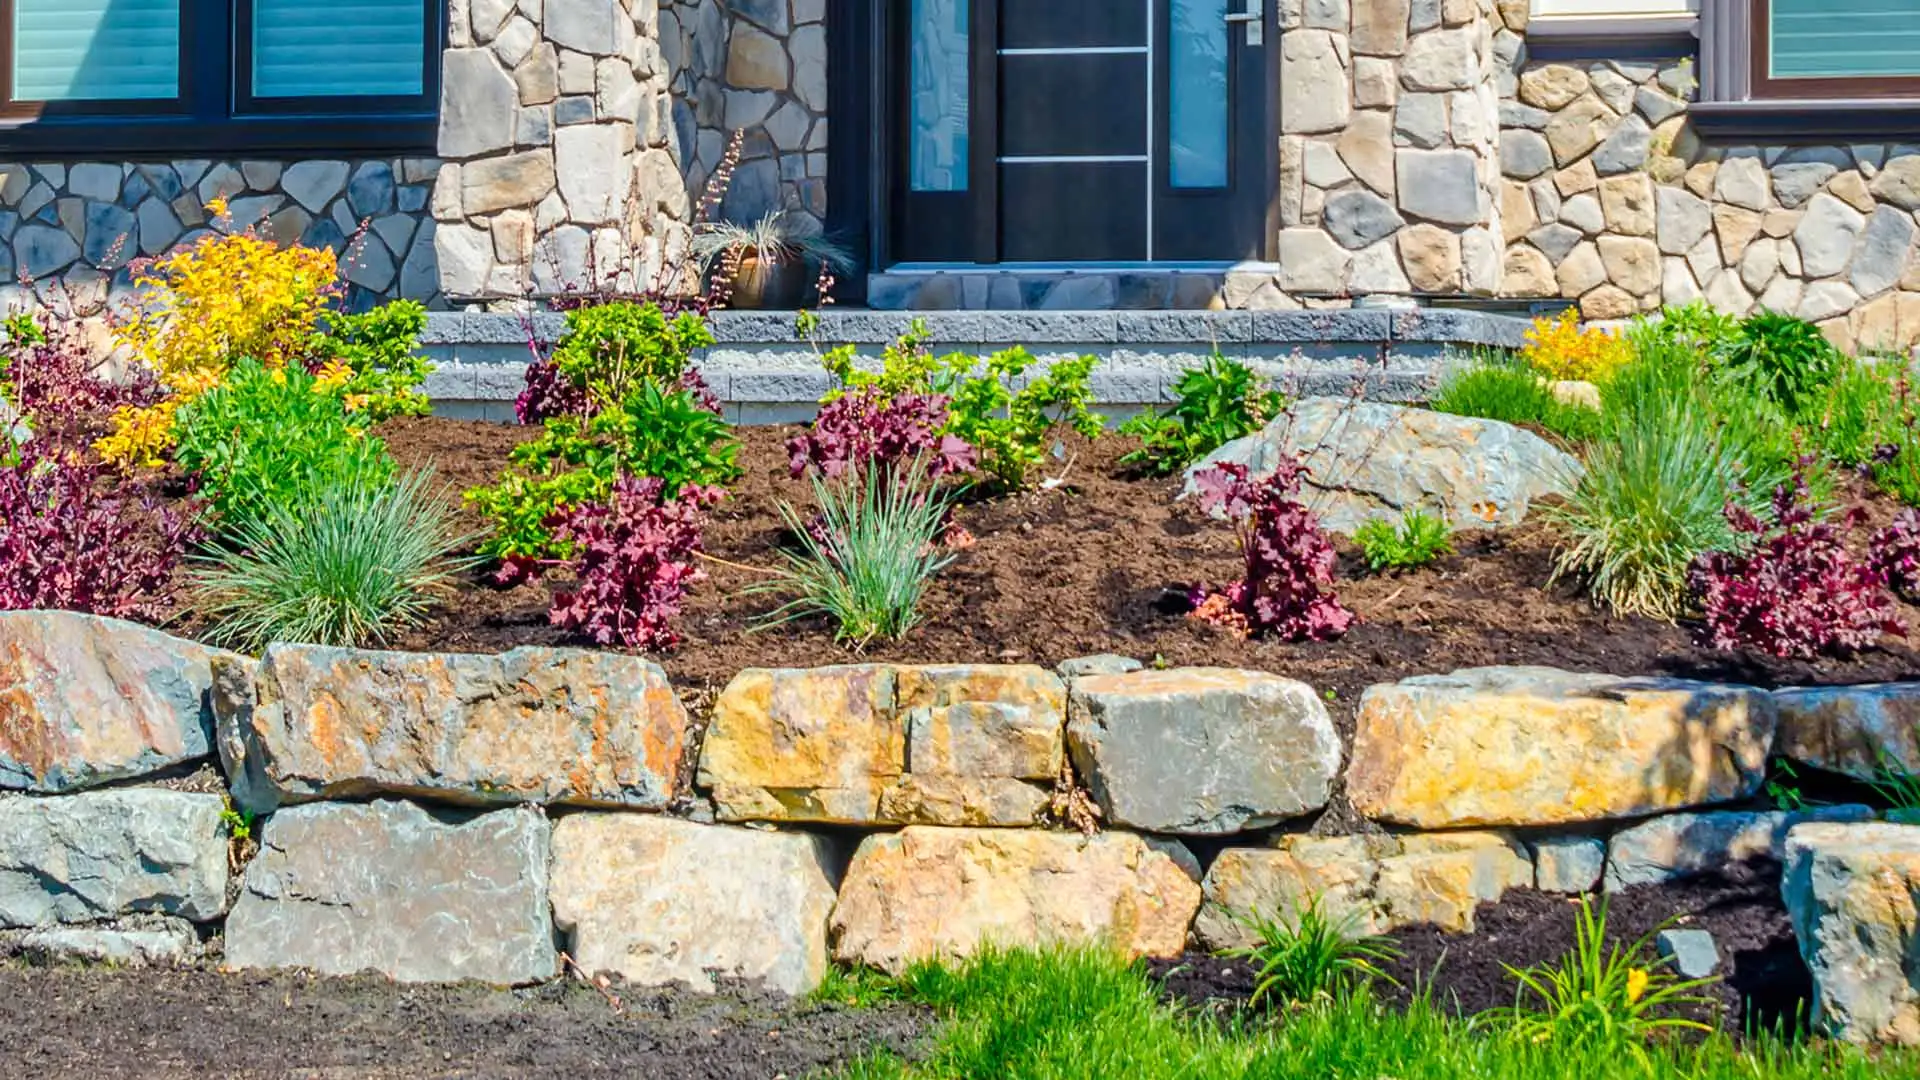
(1763, 983)
(181, 1024)
(1096, 565)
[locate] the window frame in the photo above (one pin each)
(1739, 99)
(215, 112)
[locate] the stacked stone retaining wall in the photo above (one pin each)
(450, 817)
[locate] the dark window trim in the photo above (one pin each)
(201, 122)
(1737, 101)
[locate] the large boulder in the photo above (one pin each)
(1540, 746)
(1855, 730)
(86, 700)
(342, 888)
(1677, 846)
(103, 854)
(924, 893)
(529, 726)
(1853, 892)
(1201, 750)
(879, 744)
(1369, 460)
(1379, 882)
(657, 900)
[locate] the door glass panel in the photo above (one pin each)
(938, 150)
(1197, 112)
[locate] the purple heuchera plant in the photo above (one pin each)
(866, 428)
(70, 539)
(55, 376)
(1289, 559)
(1895, 553)
(636, 560)
(1797, 593)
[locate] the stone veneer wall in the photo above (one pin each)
(1388, 171)
(1612, 202)
(557, 129)
(758, 67)
(69, 230)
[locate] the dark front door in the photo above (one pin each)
(1079, 130)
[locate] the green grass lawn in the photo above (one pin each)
(1083, 1013)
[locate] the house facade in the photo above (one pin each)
(1071, 154)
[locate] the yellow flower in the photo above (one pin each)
(1637, 980)
(336, 374)
(217, 208)
(1563, 349)
(355, 402)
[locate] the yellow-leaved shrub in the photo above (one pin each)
(1562, 348)
(205, 305)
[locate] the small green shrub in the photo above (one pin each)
(1012, 430)
(663, 434)
(1416, 540)
(1598, 996)
(1311, 955)
(1220, 401)
(608, 350)
(382, 371)
(865, 562)
(1513, 395)
(1786, 359)
(1696, 327)
(269, 439)
(352, 562)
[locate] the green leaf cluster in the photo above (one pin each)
(608, 350)
(380, 346)
(267, 439)
(1220, 401)
(655, 432)
(1415, 540)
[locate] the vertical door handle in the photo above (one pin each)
(1255, 20)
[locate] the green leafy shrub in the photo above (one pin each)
(372, 355)
(866, 560)
(269, 438)
(1599, 996)
(1416, 540)
(1310, 955)
(353, 561)
(1788, 360)
(1012, 430)
(652, 433)
(1697, 327)
(1497, 391)
(608, 350)
(1221, 401)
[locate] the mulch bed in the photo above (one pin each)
(1096, 565)
(1763, 983)
(196, 1023)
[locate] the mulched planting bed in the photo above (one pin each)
(1763, 984)
(197, 1023)
(1095, 565)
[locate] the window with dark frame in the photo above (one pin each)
(1808, 70)
(191, 77)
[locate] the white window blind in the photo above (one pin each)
(1603, 8)
(96, 50)
(1842, 38)
(339, 48)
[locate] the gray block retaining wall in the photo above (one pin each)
(767, 374)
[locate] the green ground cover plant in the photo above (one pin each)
(1086, 1014)
(1311, 954)
(1417, 539)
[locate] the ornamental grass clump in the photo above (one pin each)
(75, 536)
(1286, 590)
(1311, 955)
(354, 561)
(1792, 590)
(868, 555)
(1491, 390)
(1603, 997)
(636, 558)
